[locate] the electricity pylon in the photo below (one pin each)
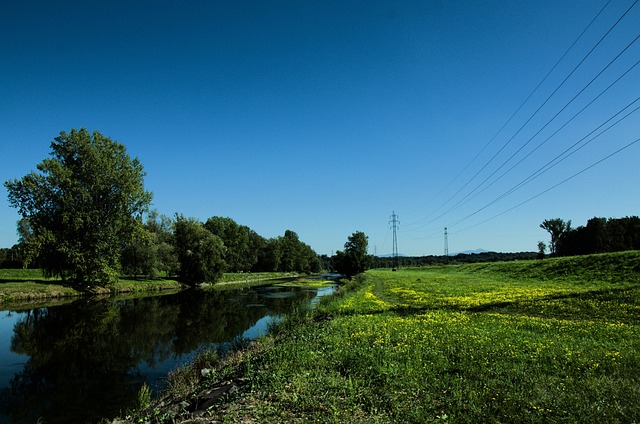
(446, 242)
(394, 225)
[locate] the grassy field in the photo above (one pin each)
(521, 342)
(26, 285)
(22, 286)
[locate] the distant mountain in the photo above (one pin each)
(464, 252)
(469, 252)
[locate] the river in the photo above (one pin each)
(87, 359)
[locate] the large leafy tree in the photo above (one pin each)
(151, 251)
(240, 254)
(294, 255)
(289, 251)
(82, 205)
(269, 256)
(555, 227)
(200, 252)
(140, 254)
(601, 235)
(25, 236)
(162, 229)
(354, 259)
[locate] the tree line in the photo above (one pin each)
(86, 219)
(461, 258)
(200, 252)
(599, 235)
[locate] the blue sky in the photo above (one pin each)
(324, 117)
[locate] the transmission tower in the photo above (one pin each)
(394, 225)
(446, 242)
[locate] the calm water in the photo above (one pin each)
(85, 360)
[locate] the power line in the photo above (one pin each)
(574, 148)
(469, 195)
(593, 135)
(554, 186)
(550, 164)
(567, 152)
(563, 108)
(536, 112)
(519, 107)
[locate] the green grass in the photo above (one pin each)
(233, 280)
(532, 341)
(306, 283)
(124, 285)
(235, 277)
(21, 286)
(13, 275)
(13, 292)
(24, 286)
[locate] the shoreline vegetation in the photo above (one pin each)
(552, 340)
(28, 288)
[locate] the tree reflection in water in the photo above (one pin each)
(86, 359)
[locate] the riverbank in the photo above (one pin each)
(27, 287)
(530, 341)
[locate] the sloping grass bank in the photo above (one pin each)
(531, 341)
(23, 286)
